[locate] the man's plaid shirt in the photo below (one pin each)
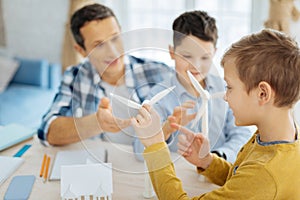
(80, 91)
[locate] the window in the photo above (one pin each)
(233, 20)
(154, 13)
(233, 17)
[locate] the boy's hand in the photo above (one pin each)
(106, 120)
(147, 126)
(180, 117)
(193, 147)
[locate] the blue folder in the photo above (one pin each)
(14, 133)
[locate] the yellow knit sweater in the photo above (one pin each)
(260, 172)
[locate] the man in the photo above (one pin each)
(81, 108)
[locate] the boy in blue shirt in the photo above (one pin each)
(194, 39)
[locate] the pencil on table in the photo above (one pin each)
(47, 168)
(43, 166)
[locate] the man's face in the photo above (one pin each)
(103, 46)
(194, 55)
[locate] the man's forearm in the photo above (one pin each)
(67, 130)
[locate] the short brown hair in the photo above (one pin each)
(86, 14)
(197, 23)
(272, 57)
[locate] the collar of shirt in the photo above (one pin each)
(211, 86)
(276, 142)
(129, 78)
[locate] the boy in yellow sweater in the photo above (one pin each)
(262, 72)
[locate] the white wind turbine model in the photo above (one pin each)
(137, 106)
(203, 111)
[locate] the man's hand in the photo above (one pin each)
(180, 117)
(193, 147)
(107, 122)
(147, 126)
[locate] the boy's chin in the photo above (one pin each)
(239, 123)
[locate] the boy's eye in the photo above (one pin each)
(227, 87)
(115, 38)
(98, 44)
(187, 56)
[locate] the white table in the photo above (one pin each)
(126, 184)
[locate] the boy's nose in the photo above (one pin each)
(197, 63)
(225, 97)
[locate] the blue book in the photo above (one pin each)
(14, 133)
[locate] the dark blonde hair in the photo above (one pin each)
(272, 57)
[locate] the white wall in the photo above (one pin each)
(295, 26)
(34, 28)
(295, 31)
(259, 14)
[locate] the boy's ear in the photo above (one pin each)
(171, 52)
(80, 50)
(265, 93)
